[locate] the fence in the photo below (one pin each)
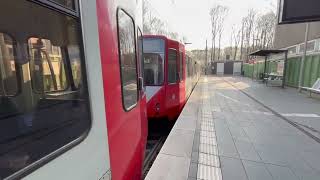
(310, 73)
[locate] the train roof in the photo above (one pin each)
(161, 37)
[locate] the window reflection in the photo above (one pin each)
(74, 56)
(8, 76)
(66, 3)
(154, 57)
(128, 61)
(47, 66)
(153, 69)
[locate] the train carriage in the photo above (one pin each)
(72, 102)
(168, 84)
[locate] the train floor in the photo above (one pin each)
(233, 128)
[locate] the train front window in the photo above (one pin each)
(44, 103)
(8, 76)
(154, 58)
(153, 69)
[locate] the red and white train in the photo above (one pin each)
(72, 105)
(170, 76)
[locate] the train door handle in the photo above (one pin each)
(140, 84)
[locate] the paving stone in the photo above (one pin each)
(196, 142)
(188, 123)
(209, 173)
(273, 155)
(191, 178)
(193, 170)
(228, 150)
(195, 157)
(177, 169)
(247, 151)
(312, 159)
(208, 140)
(209, 159)
(208, 149)
(210, 134)
(232, 169)
(303, 171)
(281, 172)
(256, 171)
(179, 143)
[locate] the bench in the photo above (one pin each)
(273, 79)
(314, 89)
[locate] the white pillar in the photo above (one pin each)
(303, 57)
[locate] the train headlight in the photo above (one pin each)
(157, 107)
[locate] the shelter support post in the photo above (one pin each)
(303, 57)
(285, 69)
(265, 67)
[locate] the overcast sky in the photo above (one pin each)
(191, 18)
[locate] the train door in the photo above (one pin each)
(182, 79)
(154, 60)
(172, 90)
(51, 110)
(143, 96)
(122, 88)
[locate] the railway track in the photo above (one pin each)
(158, 131)
(153, 148)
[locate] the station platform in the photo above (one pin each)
(235, 129)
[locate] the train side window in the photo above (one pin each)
(181, 66)
(128, 60)
(47, 66)
(47, 117)
(8, 70)
(172, 66)
(66, 3)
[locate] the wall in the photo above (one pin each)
(311, 71)
(290, 34)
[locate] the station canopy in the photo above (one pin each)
(267, 52)
(281, 69)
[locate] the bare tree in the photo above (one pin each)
(214, 11)
(222, 16)
(248, 27)
(242, 38)
(154, 25)
(236, 36)
(231, 38)
(218, 14)
(263, 32)
(267, 22)
(219, 41)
